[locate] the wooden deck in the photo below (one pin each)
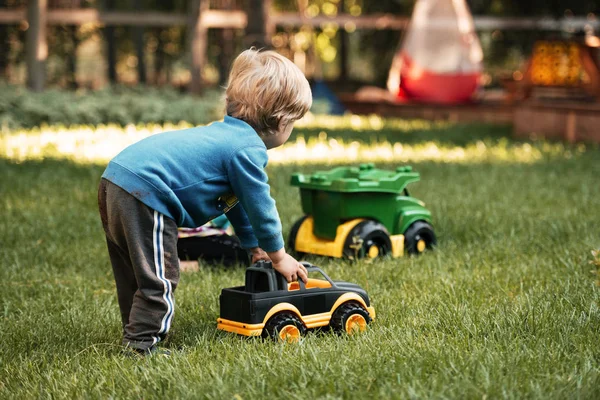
(485, 111)
(570, 121)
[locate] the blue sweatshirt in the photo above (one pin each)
(194, 175)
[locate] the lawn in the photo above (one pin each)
(507, 306)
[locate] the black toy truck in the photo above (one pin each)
(270, 306)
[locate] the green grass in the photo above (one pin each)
(506, 307)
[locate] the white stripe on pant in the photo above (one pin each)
(159, 262)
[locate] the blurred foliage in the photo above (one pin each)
(120, 105)
(369, 51)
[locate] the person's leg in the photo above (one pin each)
(126, 283)
(149, 240)
(157, 275)
(124, 279)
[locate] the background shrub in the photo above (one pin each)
(20, 108)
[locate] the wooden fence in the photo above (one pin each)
(198, 21)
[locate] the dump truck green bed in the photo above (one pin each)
(344, 193)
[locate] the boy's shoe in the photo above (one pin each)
(151, 351)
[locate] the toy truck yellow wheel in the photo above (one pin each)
(350, 318)
(419, 237)
(355, 323)
(284, 327)
(373, 251)
(368, 239)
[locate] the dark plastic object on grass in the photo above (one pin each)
(268, 306)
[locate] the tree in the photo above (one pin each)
(5, 44)
(111, 45)
(36, 46)
(257, 32)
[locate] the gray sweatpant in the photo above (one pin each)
(142, 244)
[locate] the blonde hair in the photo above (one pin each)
(265, 90)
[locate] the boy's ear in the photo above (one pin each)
(282, 125)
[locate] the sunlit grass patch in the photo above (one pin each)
(83, 144)
(337, 150)
(366, 122)
(316, 139)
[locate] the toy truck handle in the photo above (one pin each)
(307, 265)
(262, 274)
(312, 268)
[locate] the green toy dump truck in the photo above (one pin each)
(360, 212)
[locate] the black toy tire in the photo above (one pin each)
(373, 235)
(277, 325)
(418, 237)
(344, 316)
(291, 242)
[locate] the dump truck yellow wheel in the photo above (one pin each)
(373, 251)
(368, 239)
(418, 237)
(293, 235)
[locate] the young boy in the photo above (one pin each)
(188, 177)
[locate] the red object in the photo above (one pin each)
(440, 59)
(419, 84)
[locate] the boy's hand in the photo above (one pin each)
(287, 266)
(259, 254)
